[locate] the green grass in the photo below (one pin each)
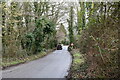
(78, 58)
(6, 63)
(78, 66)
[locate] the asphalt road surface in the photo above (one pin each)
(54, 65)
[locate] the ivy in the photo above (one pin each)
(36, 38)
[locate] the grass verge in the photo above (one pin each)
(78, 66)
(17, 61)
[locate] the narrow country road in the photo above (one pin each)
(54, 65)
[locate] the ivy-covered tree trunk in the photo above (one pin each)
(70, 27)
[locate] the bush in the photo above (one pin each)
(42, 35)
(100, 43)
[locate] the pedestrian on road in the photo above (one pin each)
(70, 47)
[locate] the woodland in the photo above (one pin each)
(30, 28)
